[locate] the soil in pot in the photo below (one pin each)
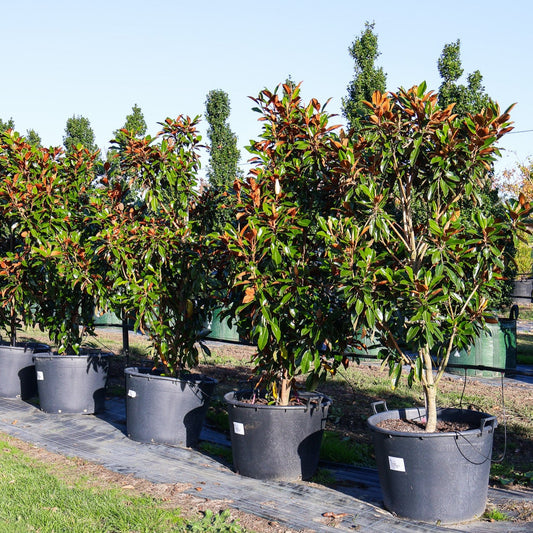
(276, 442)
(166, 410)
(417, 426)
(74, 384)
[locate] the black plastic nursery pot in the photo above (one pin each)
(166, 410)
(434, 476)
(74, 384)
(273, 442)
(17, 370)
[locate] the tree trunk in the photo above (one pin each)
(430, 392)
(285, 392)
(13, 329)
(431, 409)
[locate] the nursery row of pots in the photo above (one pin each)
(76, 384)
(69, 384)
(331, 235)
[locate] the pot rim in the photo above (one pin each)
(194, 378)
(27, 347)
(486, 421)
(55, 356)
(325, 401)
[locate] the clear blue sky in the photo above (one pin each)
(98, 58)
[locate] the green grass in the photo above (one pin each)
(216, 358)
(217, 416)
(108, 339)
(524, 348)
(526, 359)
(525, 312)
(33, 497)
(215, 522)
(512, 475)
(495, 516)
(324, 476)
(339, 449)
(216, 450)
(457, 399)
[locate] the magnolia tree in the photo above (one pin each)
(19, 272)
(67, 304)
(412, 268)
(46, 207)
(282, 292)
(151, 243)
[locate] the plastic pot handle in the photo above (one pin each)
(489, 421)
(375, 405)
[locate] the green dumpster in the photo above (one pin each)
(368, 347)
(221, 330)
(107, 319)
(494, 348)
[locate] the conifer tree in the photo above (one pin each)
(78, 131)
(224, 154)
(367, 77)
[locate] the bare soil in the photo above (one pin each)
(414, 426)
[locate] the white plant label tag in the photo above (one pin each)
(40, 375)
(238, 428)
(132, 393)
(396, 463)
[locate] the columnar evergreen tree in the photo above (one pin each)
(7, 125)
(367, 77)
(223, 163)
(33, 138)
(78, 131)
(469, 98)
(224, 154)
(135, 124)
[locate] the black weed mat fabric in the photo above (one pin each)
(102, 439)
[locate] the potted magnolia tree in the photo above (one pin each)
(158, 274)
(18, 272)
(49, 196)
(74, 379)
(282, 293)
(419, 259)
